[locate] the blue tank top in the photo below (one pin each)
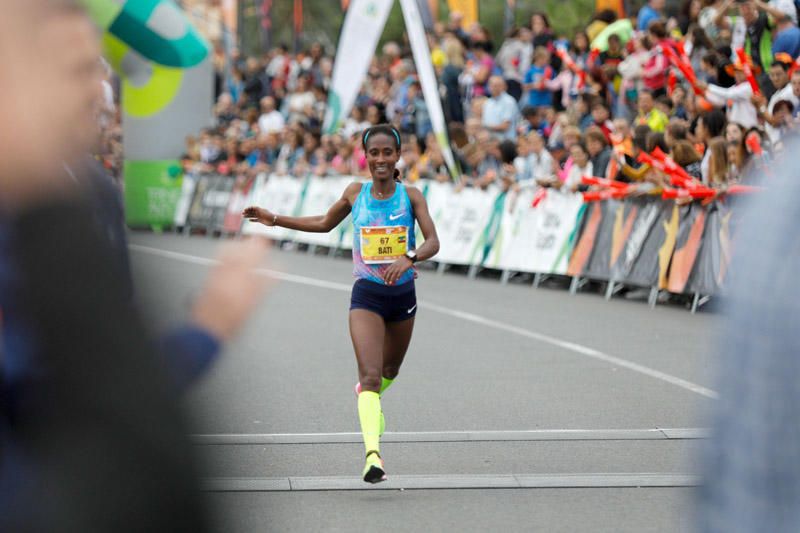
(390, 221)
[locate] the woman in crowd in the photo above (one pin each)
(718, 164)
(453, 106)
(685, 155)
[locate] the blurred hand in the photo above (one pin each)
(758, 100)
(233, 288)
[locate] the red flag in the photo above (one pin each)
(753, 141)
(744, 59)
(298, 16)
(540, 195)
(603, 182)
(685, 68)
(672, 80)
(572, 65)
(298, 23)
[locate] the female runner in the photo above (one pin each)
(383, 302)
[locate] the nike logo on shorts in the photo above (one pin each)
(395, 217)
(412, 309)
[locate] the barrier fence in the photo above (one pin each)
(635, 242)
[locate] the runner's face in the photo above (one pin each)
(382, 155)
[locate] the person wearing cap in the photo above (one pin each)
(779, 76)
(736, 99)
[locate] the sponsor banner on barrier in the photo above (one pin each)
(629, 250)
(639, 241)
(599, 264)
(461, 217)
(213, 202)
(152, 190)
(556, 231)
(238, 201)
(589, 226)
(536, 239)
(280, 194)
(219, 197)
(653, 259)
(209, 202)
(687, 244)
(714, 257)
(185, 199)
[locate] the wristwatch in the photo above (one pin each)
(412, 255)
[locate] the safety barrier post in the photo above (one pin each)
(652, 300)
(576, 283)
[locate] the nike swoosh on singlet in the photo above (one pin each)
(395, 217)
(412, 309)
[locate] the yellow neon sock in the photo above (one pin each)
(385, 384)
(369, 414)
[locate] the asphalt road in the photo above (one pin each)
(517, 409)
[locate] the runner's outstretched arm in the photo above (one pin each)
(314, 224)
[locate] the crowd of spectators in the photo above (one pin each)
(535, 108)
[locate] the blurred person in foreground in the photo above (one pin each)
(91, 435)
(752, 461)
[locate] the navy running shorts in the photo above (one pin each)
(394, 304)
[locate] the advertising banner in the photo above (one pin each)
(152, 190)
(238, 201)
(363, 25)
(687, 244)
(714, 257)
(536, 239)
(185, 199)
(427, 79)
(628, 252)
(461, 218)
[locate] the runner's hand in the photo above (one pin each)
(257, 214)
(396, 270)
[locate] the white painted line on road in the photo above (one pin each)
(577, 348)
(452, 436)
(469, 317)
(440, 482)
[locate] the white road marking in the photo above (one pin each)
(249, 439)
(463, 315)
(433, 482)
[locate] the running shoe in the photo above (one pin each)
(373, 470)
(357, 390)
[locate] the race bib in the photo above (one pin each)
(383, 244)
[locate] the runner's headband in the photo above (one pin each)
(394, 132)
